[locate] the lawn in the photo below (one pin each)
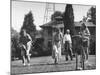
(46, 64)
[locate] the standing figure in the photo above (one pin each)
(26, 43)
(68, 45)
(56, 53)
(84, 31)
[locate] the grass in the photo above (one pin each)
(46, 64)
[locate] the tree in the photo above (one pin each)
(92, 15)
(28, 24)
(15, 52)
(56, 14)
(68, 19)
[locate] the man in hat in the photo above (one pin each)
(68, 44)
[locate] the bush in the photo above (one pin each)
(15, 50)
(37, 47)
(92, 47)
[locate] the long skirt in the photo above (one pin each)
(28, 47)
(56, 50)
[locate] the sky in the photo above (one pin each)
(21, 8)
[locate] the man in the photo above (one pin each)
(68, 44)
(26, 42)
(84, 31)
(56, 53)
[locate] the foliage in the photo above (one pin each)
(92, 15)
(15, 50)
(56, 14)
(28, 24)
(92, 47)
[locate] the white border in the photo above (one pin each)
(86, 2)
(5, 36)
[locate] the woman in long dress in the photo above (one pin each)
(56, 53)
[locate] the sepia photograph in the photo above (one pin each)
(52, 37)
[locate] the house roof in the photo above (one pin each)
(47, 24)
(59, 18)
(59, 25)
(53, 24)
(89, 24)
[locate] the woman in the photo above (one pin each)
(57, 38)
(25, 42)
(84, 31)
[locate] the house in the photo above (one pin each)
(90, 25)
(49, 30)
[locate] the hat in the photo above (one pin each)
(68, 30)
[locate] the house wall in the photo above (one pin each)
(91, 29)
(47, 35)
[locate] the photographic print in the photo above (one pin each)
(52, 37)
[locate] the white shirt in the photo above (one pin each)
(67, 37)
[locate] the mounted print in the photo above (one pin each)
(52, 37)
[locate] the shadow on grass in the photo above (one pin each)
(42, 64)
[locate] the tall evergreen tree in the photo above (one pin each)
(68, 19)
(28, 24)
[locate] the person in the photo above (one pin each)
(68, 45)
(84, 32)
(61, 41)
(56, 53)
(26, 43)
